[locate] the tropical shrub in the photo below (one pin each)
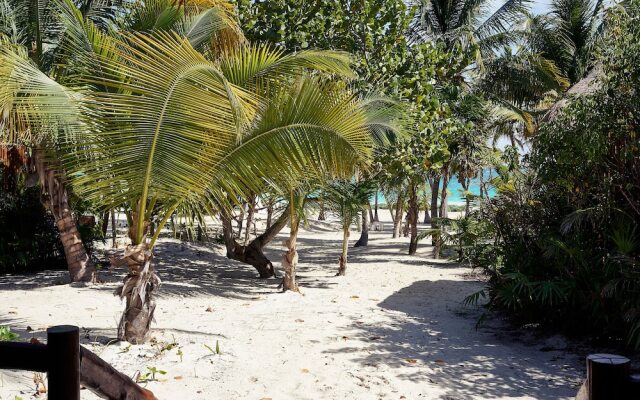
(562, 247)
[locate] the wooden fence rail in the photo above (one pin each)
(68, 365)
(59, 358)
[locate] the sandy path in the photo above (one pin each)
(393, 328)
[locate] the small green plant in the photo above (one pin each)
(179, 353)
(125, 350)
(6, 334)
(217, 349)
(150, 375)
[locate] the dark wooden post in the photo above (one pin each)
(607, 376)
(63, 344)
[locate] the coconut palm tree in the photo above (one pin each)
(29, 26)
(70, 33)
(167, 128)
(346, 199)
(467, 22)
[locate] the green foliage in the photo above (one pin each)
(560, 243)
(150, 375)
(6, 335)
(346, 199)
(373, 31)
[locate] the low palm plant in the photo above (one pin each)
(346, 199)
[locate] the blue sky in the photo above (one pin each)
(538, 6)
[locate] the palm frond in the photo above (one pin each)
(33, 107)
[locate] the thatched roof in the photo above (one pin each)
(586, 85)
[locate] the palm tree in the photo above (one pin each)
(29, 27)
(550, 53)
(467, 22)
(165, 128)
(346, 200)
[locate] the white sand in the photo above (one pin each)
(393, 328)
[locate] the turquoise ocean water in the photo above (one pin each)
(455, 189)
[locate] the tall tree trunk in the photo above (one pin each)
(413, 219)
(397, 220)
(405, 227)
(364, 235)
(370, 212)
(437, 239)
(444, 196)
(465, 185)
(114, 228)
(56, 200)
(105, 223)
(290, 257)
(252, 253)
(269, 213)
(138, 287)
(427, 216)
(375, 209)
(241, 220)
(342, 269)
(435, 190)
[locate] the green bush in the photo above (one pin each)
(560, 242)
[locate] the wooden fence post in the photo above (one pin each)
(607, 376)
(63, 344)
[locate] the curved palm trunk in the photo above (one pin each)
(364, 235)
(252, 253)
(56, 200)
(342, 269)
(412, 217)
(290, 257)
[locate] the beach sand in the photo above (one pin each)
(393, 328)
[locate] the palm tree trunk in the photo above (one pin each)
(364, 235)
(375, 209)
(435, 190)
(397, 220)
(253, 254)
(413, 219)
(444, 212)
(139, 284)
(269, 213)
(250, 213)
(290, 257)
(342, 269)
(465, 185)
(56, 200)
(114, 228)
